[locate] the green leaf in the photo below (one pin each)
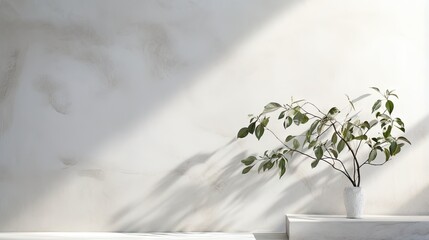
(334, 138)
(282, 115)
(311, 130)
(361, 137)
(390, 93)
(348, 135)
(251, 127)
(287, 122)
(372, 155)
(346, 129)
(290, 137)
(404, 139)
(393, 148)
(312, 144)
(333, 111)
(386, 133)
(259, 131)
(304, 119)
(243, 132)
(376, 89)
(314, 163)
(272, 106)
(320, 127)
(335, 153)
(297, 118)
(341, 146)
(318, 152)
(376, 106)
(295, 144)
(307, 138)
(398, 149)
(373, 123)
(389, 106)
(386, 154)
(399, 121)
(282, 166)
(365, 125)
(383, 116)
(268, 165)
(246, 169)
(249, 160)
(266, 153)
(265, 121)
(313, 126)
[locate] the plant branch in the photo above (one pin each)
(357, 149)
(342, 164)
(314, 107)
(307, 155)
(373, 164)
(332, 165)
(360, 142)
(355, 161)
(309, 113)
(289, 148)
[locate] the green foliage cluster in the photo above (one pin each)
(326, 138)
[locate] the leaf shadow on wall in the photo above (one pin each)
(209, 202)
(329, 186)
(83, 48)
(185, 202)
(417, 204)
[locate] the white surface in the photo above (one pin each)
(365, 218)
(121, 115)
(326, 227)
(138, 236)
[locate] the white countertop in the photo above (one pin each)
(366, 218)
(370, 227)
(138, 236)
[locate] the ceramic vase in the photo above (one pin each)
(354, 202)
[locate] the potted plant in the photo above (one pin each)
(343, 140)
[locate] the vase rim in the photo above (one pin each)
(352, 187)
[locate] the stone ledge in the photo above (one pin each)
(334, 227)
(139, 236)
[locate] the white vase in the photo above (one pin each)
(354, 202)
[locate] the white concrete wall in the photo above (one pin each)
(122, 115)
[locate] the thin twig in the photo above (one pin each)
(356, 168)
(332, 165)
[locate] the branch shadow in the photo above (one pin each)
(418, 204)
(179, 202)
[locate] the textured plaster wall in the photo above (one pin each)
(122, 115)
